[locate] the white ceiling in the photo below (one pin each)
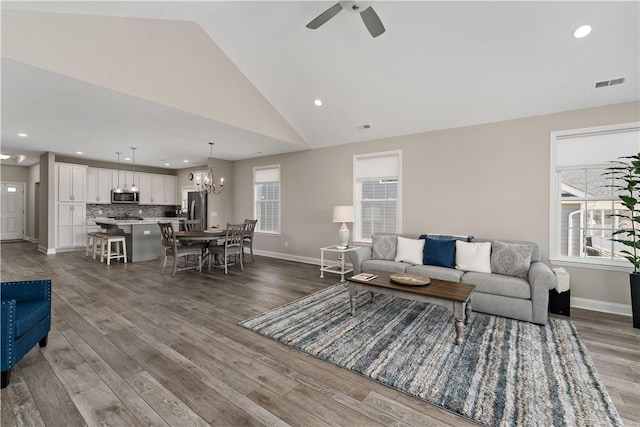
(439, 65)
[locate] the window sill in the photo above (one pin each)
(622, 266)
(267, 233)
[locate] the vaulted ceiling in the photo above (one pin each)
(168, 77)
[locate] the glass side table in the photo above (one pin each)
(339, 266)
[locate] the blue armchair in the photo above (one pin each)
(25, 319)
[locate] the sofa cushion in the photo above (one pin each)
(510, 259)
(384, 246)
(436, 272)
(29, 313)
(410, 250)
(383, 265)
(473, 256)
(439, 252)
(497, 284)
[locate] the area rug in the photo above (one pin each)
(506, 373)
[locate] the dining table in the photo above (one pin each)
(209, 235)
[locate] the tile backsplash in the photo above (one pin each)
(93, 211)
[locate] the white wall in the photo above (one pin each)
(490, 181)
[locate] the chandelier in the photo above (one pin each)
(210, 185)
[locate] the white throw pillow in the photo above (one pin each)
(473, 256)
(410, 250)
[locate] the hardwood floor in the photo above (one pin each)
(129, 346)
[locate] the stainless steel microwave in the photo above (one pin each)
(125, 197)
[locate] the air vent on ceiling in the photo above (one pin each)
(606, 83)
(364, 127)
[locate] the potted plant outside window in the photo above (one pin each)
(625, 174)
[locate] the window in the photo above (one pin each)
(266, 202)
(377, 194)
(582, 196)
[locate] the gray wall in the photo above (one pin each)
(489, 180)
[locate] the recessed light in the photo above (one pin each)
(582, 31)
(79, 152)
(185, 161)
(24, 135)
(4, 156)
(167, 164)
(127, 158)
(318, 102)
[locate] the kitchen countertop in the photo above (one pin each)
(145, 221)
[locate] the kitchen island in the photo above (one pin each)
(142, 236)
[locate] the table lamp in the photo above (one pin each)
(343, 214)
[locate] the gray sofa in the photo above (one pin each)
(507, 296)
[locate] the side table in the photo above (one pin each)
(340, 266)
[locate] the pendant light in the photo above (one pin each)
(210, 185)
(133, 184)
(118, 189)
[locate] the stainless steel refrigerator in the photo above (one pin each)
(198, 207)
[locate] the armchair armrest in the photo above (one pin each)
(541, 280)
(359, 255)
(26, 290)
(7, 332)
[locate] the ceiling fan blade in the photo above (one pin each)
(325, 16)
(372, 21)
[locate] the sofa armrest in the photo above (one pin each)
(359, 255)
(541, 280)
(27, 290)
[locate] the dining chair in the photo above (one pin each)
(196, 225)
(170, 247)
(232, 247)
(249, 229)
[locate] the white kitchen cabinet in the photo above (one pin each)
(170, 188)
(71, 225)
(144, 188)
(99, 185)
(126, 179)
(71, 182)
(157, 189)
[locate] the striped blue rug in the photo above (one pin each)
(507, 372)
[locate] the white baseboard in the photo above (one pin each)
(288, 257)
(45, 250)
(32, 239)
(607, 307)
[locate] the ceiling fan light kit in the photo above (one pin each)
(369, 16)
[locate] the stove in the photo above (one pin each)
(126, 218)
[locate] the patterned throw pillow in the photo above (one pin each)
(384, 246)
(511, 259)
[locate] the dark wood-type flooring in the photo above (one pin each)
(129, 347)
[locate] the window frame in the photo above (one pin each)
(259, 229)
(555, 201)
(357, 231)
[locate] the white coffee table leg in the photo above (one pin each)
(467, 313)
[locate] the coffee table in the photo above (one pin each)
(453, 295)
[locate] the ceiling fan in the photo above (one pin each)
(368, 15)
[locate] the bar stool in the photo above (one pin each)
(120, 248)
(91, 243)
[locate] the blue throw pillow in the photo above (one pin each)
(440, 252)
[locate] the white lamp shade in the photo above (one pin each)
(343, 214)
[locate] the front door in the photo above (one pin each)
(12, 211)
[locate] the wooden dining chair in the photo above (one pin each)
(232, 247)
(247, 241)
(170, 247)
(196, 225)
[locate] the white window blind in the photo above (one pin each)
(266, 205)
(596, 148)
(377, 194)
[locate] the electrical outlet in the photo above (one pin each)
(286, 244)
(100, 212)
(140, 211)
(214, 214)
